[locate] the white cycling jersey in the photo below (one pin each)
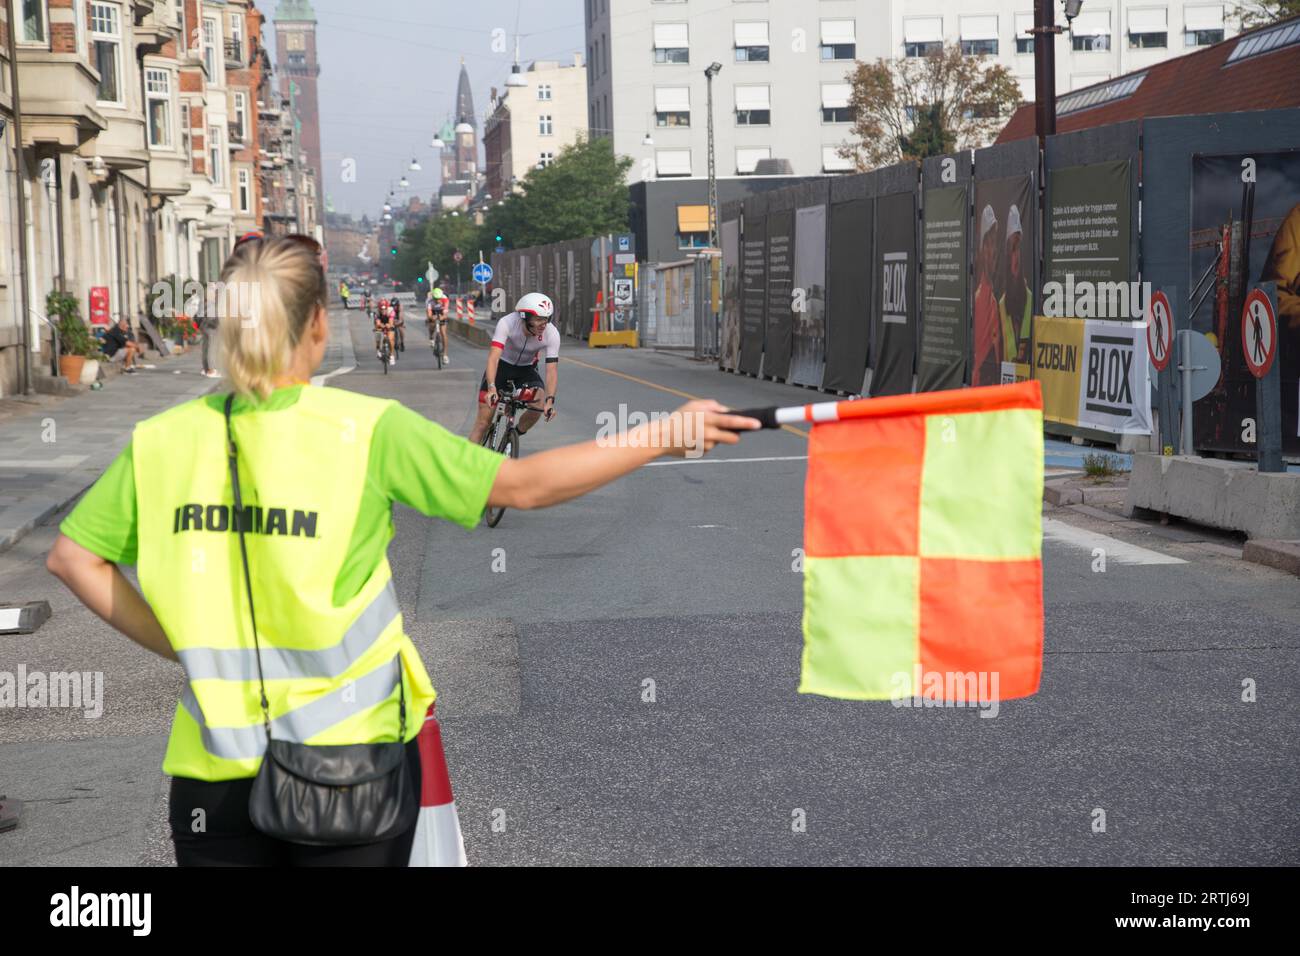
(518, 347)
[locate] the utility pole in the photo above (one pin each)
(1044, 33)
(709, 74)
(20, 171)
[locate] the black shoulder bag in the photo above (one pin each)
(340, 795)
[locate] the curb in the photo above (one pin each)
(1282, 555)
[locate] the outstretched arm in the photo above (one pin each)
(561, 474)
(103, 588)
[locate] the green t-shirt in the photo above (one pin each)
(412, 460)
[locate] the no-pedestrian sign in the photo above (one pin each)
(1258, 333)
(1160, 331)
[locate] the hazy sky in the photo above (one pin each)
(388, 79)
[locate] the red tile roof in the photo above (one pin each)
(1197, 82)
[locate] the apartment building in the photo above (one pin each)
(143, 138)
(542, 109)
(782, 91)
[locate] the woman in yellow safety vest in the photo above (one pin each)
(319, 471)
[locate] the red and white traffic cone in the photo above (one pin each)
(437, 833)
(460, 308)
(471, 311)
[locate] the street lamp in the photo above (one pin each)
(404, 182)
(710, 72)
(415, 165)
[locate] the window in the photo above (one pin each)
(672, 44)
(544, 125)
(922, 36)
(545, 159)
(673, 162)
(753, 106)
(839, 40)
(210, 35)
(106, 32)
(239, 125)
(1024, 42)
(186, 146)
(1147, 29)
(751, 41)
(747, 158)
(979, 36)
(216, 167)
(1203, 25)
(672, 106)
(544, 91)
(237, 36)
(245, 191)
(33, 14)
(835, 103)
(1090, 32)
(158, 89)
(833, 162)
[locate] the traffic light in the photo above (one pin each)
(394, 250)
(419, 280)
(498, 237)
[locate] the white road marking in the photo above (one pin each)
(1116, 550)
(720, 461)
(63, 461)
(319, 380)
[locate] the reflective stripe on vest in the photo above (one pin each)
(302, 723)
(279, 663)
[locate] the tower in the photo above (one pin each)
(299, 71)
(466, 146)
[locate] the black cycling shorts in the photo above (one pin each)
(522, 375)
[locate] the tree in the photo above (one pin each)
(1251, 15)
(913, 107)
(583, 192)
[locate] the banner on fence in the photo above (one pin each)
(1094, 374)
(1003, 305)
(942, 361)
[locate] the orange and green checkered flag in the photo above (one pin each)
(923, 543)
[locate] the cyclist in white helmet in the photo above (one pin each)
(517, 346)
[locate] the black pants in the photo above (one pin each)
(227, 837)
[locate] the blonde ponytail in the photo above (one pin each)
(268, 292)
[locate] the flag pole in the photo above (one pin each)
(984, 398)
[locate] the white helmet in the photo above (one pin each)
(538, 304)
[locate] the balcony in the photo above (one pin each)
(235, 135)
(234, 53)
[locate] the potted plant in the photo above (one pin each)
(76, 344)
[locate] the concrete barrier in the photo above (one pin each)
(473, 334)
(1217, 493)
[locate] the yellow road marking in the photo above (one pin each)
(662, 388)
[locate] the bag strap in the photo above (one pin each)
(240, 520)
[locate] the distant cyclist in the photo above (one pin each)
(399, 324)
(517, 345)
(438, 316)
(384, 326)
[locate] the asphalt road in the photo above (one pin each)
(617, 679)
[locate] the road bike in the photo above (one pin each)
(503, 433)
(435, 339)
(385, 350)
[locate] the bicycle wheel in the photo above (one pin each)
(385, 351)
(509, 446)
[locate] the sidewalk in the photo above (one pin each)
(52, 453)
